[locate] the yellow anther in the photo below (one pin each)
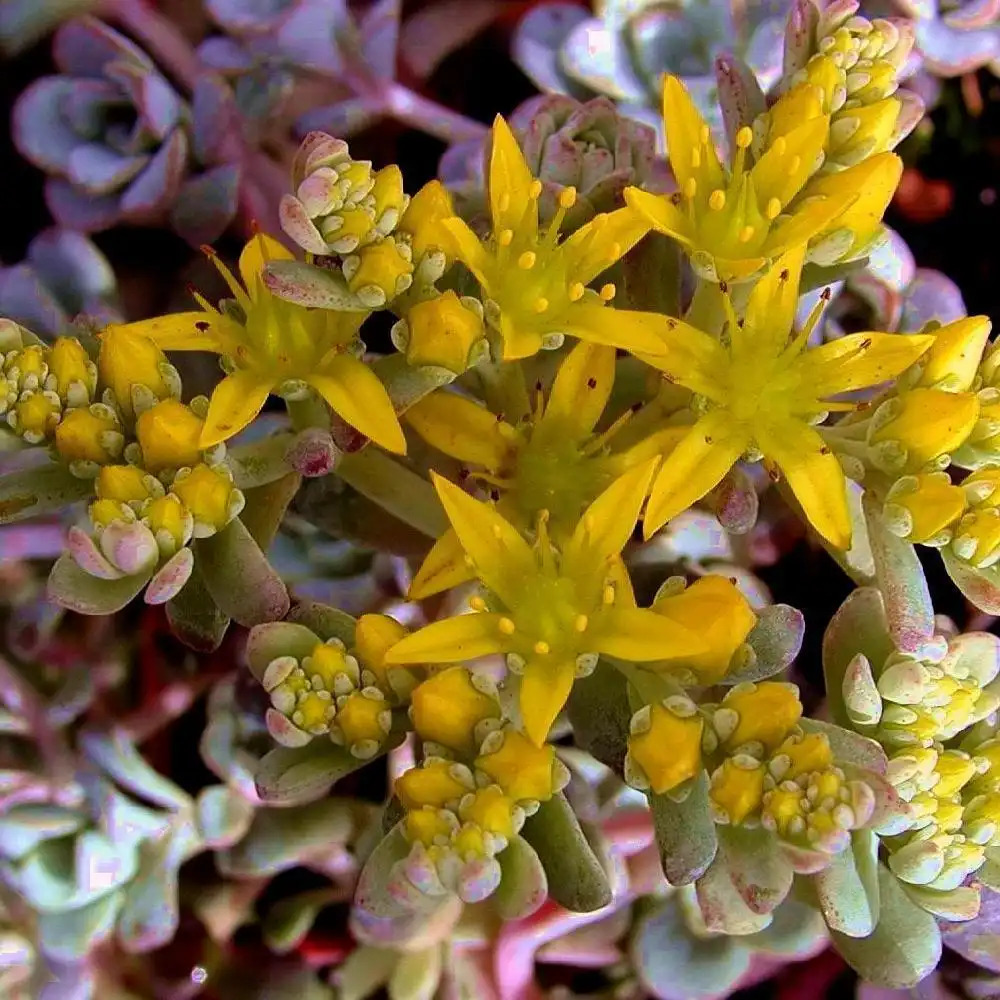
(705, 135)
(541, 647)
(717, 200)
(690, 187)
(695, 158)
(541, 304)
(608, 597)
(794, 164)
(506, 237)
(779, 145)
(497, 531)
(744, 137)
(581, 623)
(614, 251)
(567, 197)
(507, 626)
(527, 260)
(746, 234)
(608, 292)
(504, 203)
(773, 209)
(535, 189)
(576, 291)
(477, 603)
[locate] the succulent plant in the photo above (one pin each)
(624, 51)
(955, 36)
(116, 140)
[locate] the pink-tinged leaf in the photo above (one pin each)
(89, 557)
(168, 582)
(440, 28)
(154, 190)
(285, 731)
(973, 14)
(85, 46)
(759, 871)
(72, 588)
(206, 204)
(76, 210)
(379, 30)
(299, 226)
(131, 548)
(980, 586)
(39, 128)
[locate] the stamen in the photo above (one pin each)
(695, 159)
(608, 292)
(581, 623)
(576, 291)
(598, 441)
(608, 597)
(541, 304)
(527, 260)
(794, 164)
(717, 200)
(477, 603)
(779, 146)
(744, 137)
(506, 237)
(567, 197)
(773, 209)
(504, 203)
(507, 626)
(614, 251)
(746, 234)
(704, 135)
(541, 647)
(690, 187)
(535, 189)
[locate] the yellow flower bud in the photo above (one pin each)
(28, 367)
(373, 637)
(123, 483)
(362, 718)
(327, 661)
(927, 423)
(422, 220)
(447, 708)
(737, 791)
(490, 810)
(721, 615)
(425, 825)
(922, 508)
(90, 434)
(766, 713)
(954, 769)
(169, 521)
(72, 375)
(522, 770)
(35, 416)
(977, 537)
(351, 225)
(388, 196)
(105, 512)
(953, 360)
(168, 435)
(806, 753)
(669, 751)
(442, 331)
(431, 784)
(384, 270)
(128, 359)
(982, 488)
(209, 495)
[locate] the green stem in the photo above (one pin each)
(308, 412)
(395, 489)
(706, 311)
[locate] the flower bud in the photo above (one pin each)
(665, 747)
(977, 537)
(379, 272)
(449, 707)
(526, 773)
(168, 435)
(127, 484)
(362, 722)
(434, 783)
(953, 359)
(133, 368)
(374, 636)
(72, 375)
(35, 415)
(170, 522)
(444, 331)
(422, 220)
(89, 436)
(209, 494)
(737, 789)
(924, 508)
(764, 714)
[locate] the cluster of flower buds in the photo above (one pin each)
(325, 687)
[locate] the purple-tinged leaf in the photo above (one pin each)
(214, 116)
(536, 44)
(85, 46)
(155, 189)
(88, 105)
(25, 22)
(24, 299)
(76, 210)
(39, 129)
(379, 31)
(70, 935)
(225, 55)
(158, 105)
(73, 268)
(98, 170)
(261, 93)
(949, 52)
(892, 262)
(171, 578)
(433, 33)
(249, 16)
(206, 204)
(931, 296)
(980, 586)
(979, 939)
(72, 588)
(306, 37)
(973, 14)
(345, 118)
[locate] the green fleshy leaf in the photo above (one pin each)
(73, 588)
(523, 886)
(848, 890)
(989, 874)
(311, 286)
(195, 618)
(273, 639)
(42, 490)
(407, 385)
(675, 964)
(291, 919)
(223, 815)
(293, 776)
(961, 903)
(118, 757)
(364, 971)
(266, 505)
(685, 832)
(759, 871)
(599, 711)
(723, 908)
(859, 626)
(239, 577)
(776, 640)
(649, 276)
(417, 975)
(327, 622)
(260, 462)
(980, 586)
(70, 936)
(797, 930)
(848, 746)
(900, 578)
(282, 838)
(24, 827)
(576, 877)
(905, 946)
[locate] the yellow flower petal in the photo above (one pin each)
(640, 635)
(236, 400)
(688, 134)
(509, 183)
(502, 559)
(691, 358)
(806, 221)
(452, 640)
(581, 388)
(770, 310)
(814, 475)
(661, 213)
(594, 247)
(354, 391)
(787, 163)
(463, 429)
(260, 249)
(467, 248)
(630, 330)
(607, 524)
(544, 689)
(955, 355)
(186, 331)
(697, 464)
(519, 340)
(443, 567)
